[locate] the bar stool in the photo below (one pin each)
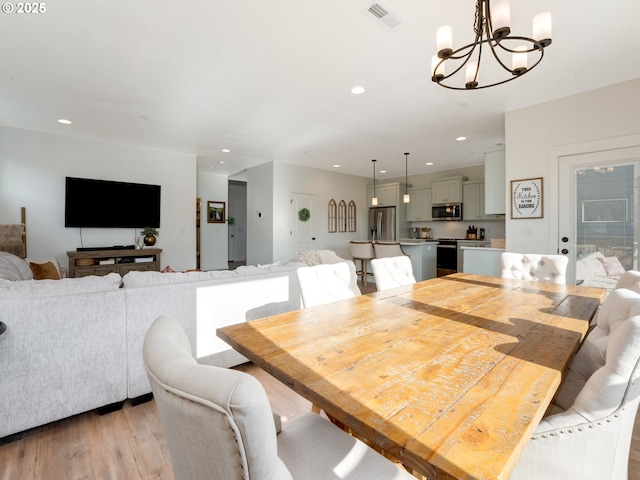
(363, 252)
(388, 249)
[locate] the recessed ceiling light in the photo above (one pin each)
(461, 139)
(220, 162)
(336, 166)
(64, 121)
(429, 163)
(226, 150)
(357, 90)
(383, 171)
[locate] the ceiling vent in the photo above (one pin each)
(382, 14)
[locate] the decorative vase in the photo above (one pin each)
(149, 240)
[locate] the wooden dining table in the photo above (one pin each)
(450, 376)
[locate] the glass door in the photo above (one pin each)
(598, 215)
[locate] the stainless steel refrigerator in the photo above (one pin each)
(382, 224)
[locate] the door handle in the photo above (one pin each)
(564, 239)
(564, 251)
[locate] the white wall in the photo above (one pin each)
(269, 189)
(213, 236)
(532, 132)
(260, 229)
(33, 167)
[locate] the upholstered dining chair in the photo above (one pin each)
(629, 279)
(587, 431)
(529, 266)
(391, 272)
(327, 283)
(362, 253)
(388, 249)
(219, 425)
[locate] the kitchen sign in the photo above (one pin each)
(526, 198)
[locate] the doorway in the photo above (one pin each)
(301, 231)
(598, 214)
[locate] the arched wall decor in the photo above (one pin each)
(342, 216)
(351, 216)
(333, 216)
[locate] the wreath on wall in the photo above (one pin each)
(304, 214)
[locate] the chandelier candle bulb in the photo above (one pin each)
(542, 28)
(437, 71)
(471, 72)
(444, 37)
(501, 19)
(519, 60)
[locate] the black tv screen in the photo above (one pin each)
(107, 204)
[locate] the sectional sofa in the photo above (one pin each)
(74, 345)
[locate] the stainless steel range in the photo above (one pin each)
(447, 256)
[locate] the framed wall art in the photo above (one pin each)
(527, 198)
(216, 212)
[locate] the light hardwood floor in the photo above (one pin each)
(130, 444)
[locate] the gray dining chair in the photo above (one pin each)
(587, 431)
(219, 425)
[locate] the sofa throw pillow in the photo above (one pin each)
(612, 266)
(48, 270)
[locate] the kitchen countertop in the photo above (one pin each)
(481, 248)
(417, 241)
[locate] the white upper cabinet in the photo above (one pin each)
(419, 209)
(495, 182)
(447, 190)
(388, 194)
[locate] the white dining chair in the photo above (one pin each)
(362, 253)
(327, 283)
(629, 279)
(587, 431)
(392, 272)
(529, 266)
(388, 249)
(219, 424)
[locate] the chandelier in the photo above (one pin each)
(492, 30)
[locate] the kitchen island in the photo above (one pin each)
(423, 257)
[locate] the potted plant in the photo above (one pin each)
(149, 234)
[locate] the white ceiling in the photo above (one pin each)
(271, 80)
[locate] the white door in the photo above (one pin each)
(301, 232)
(598, 214)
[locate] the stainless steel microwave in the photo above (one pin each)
(446, 211)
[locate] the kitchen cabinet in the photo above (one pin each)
(388, 194)
(462, 244)
(483, 261)
(419, 209)
(473, 202)
(447, 190)
(423, 258)
(495, 181)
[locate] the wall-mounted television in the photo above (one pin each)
(108, 204)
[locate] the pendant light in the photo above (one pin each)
(407, 197)
(374, 199)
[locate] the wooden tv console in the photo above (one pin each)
(103, 262)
